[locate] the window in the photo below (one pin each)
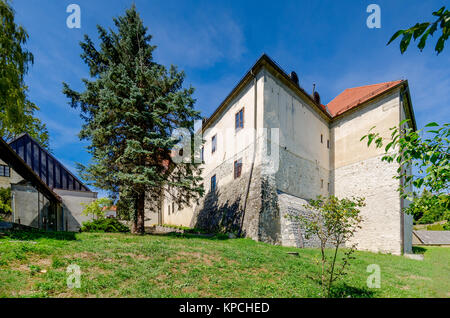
(321, 183)
(5, 171)
(328, 187)
(237, 168)
(321, 139)
(173, 207)
(202, 156)
(213, 183)
(213, 144)
(168, 209)
(239, 119)
(328, 144)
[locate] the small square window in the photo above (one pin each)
(239, 119)
(4, 171)
(213, 183)
(213, 144)
(237, 168)
(202, 155)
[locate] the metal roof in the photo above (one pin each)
(52, 172)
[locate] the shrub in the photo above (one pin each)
(105, 225)
(5, 201)
(435, 227)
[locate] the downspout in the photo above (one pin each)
(255, 89)
(13, 207)
(402, 214)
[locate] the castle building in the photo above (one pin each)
(270, 146)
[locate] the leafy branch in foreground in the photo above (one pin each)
(334, 222)
(429, 155)
(423, 30)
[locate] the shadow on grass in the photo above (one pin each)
(220, 237)
(419, 250)
(343, 291)
(37, 234)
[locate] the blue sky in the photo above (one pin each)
(216, 42)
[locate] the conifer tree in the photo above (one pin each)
(131, 105)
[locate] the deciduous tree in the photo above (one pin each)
(17, 113)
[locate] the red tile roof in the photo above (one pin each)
(355, 96)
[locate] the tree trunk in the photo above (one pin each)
(138, 225)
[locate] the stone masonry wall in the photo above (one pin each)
(223, 209)
(292, 231)
(373, 180)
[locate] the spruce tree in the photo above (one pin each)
(131, 105)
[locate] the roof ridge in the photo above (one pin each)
(384, 86)
(371, 85)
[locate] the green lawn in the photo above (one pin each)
(123, 265)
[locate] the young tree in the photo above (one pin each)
(334, 222)
(16, 111)
(96, 208)
(423, 30)
(427, 152)
(131, 106)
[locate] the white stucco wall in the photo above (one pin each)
(304, 160)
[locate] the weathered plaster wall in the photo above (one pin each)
(303, 154)
(359, 171)
(228, 201)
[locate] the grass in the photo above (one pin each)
(122, 265)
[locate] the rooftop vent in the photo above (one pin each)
(316, 97)
(294, 77)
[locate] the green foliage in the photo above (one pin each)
(435, 227)
(5, 201)
(131, 106)
(103, 225)
(426, 209)
(187, 229)
(334, 222)
(423, 30)
(429, 154)
(96, 208)
(16, 111)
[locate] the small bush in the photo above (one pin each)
(105, 225)
(435, 227)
